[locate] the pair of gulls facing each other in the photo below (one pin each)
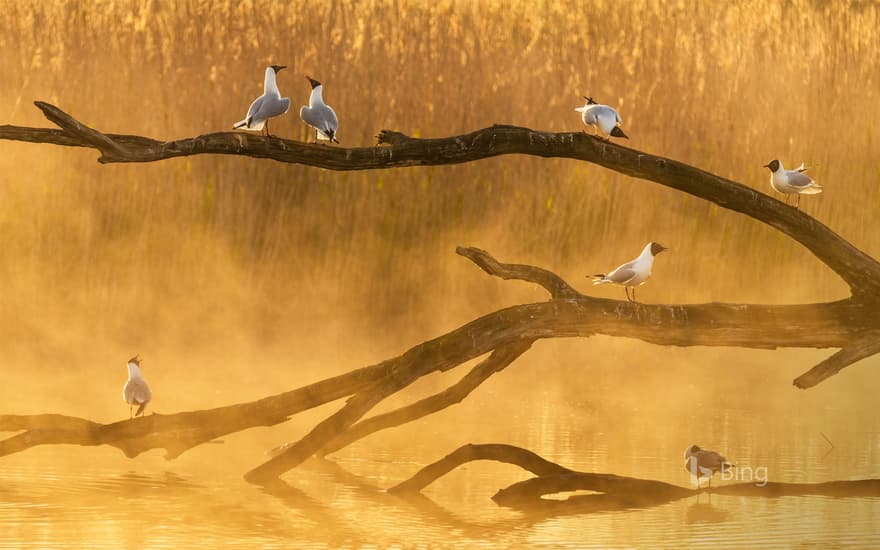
(787, 182)
(317, 114)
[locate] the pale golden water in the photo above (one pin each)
(238, 278)
(630, 417)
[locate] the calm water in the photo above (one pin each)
(589, 418)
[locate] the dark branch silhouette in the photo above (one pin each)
(850, 325)
(612, 492)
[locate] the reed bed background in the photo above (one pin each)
(222, 258)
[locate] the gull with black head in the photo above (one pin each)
(602, 117)
(136, 391)
(268, 105)
(634, 273)
(319, 115)
(704, 463)
(789, 182)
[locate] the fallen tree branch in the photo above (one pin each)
(850, 325)
(508, 454)
(860, 271)
(500, 359)
(180, 432)
(507, 332)
(868, 345)
(614, 492)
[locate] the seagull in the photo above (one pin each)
(319, 115)
(136, 391)
(792, 181)
(602, 117)
(634, 273)
(704, 463)
(266, 106)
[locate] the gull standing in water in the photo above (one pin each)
(602, 117)
(792, 181)
(266, 106)
(319, 115)
(634, 273)
(704, 463)
(136, 391)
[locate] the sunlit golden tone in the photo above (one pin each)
(240, 278)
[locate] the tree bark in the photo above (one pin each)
(613, 492)
(851, 325)
(860, 271)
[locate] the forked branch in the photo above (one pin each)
(850, 325)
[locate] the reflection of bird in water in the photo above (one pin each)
(701, 512)
(136, 391)
(704, 463)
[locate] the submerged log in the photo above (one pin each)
(610, 492)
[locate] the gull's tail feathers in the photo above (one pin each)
(599, 279)
(240, 124)
(617, 132)
(814, 189)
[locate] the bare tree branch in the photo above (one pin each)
(498, 361)
(860, 271)
(612, 492)
(858, 350)
(508, 454)
(851, 325)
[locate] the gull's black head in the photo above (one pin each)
(657, 248)
(277, 68)
(691, 450)
(313, 82)
(590, 101)
(773, 165)
(136, 360)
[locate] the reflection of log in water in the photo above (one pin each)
(612, 492)
(850, 325)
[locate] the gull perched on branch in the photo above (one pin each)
(602, 117)
(136, 391)
(319, 115)
(268, 105)
(704, 463)
(792, 181)
(634, 273)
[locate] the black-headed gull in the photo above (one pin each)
(704, 463)
(602, 117)
(136, 391)
(268, 105)
(791, 181)
(319, 115)
(634, 273)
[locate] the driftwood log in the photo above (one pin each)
(851, 325)
(609, 492)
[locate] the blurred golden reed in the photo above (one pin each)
(187, 252)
